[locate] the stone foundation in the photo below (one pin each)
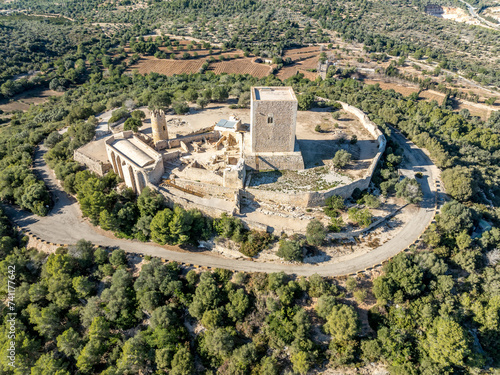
(275, 160)
(92, 164)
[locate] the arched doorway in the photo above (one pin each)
(119, 165)
(141, 181)
(113, 161)
(132, 178)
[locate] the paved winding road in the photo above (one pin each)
(473, 13)
(65, 225)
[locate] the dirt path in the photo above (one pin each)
(65, 225)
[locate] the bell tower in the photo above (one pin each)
(159, 126)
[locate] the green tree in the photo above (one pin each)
(132, 124)
(36, 199)
(206, 297)
(219, 343)
(301, 363)
(455, 217)
(315, 233)
(135, 358)
(180, 226)
(242, 359)
(160, 231)
(150, 202)
(244, 100)
(401, 274)
(138, 114)
(325, 305)
(119, 299)
(180, 107)
(409, 189)
(447, 343)
(342, 323)
(459, 183)
(290, 250)
(107, 221)
(160, 100)
(118, 258)
(182, 363)
(363, 217)
(69, 343)
(268, 366)
(82, 286)
(202, 102)
(371, 201)
(220, 93)
(238, 304)
(341, 159)
(318, 286)
(46, 320)
(463, 240)
(48, 365)
(305, 101)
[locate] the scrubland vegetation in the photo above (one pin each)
(82, 310)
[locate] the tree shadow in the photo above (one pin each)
(315, 256)
(315, 152)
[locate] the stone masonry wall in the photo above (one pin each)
(311, 199)
(275, 160)
(92, 164)
(176, 142)
(207, 208)
(278, 136)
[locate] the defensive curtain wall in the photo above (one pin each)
(226, 199)
(317, 198)
(93, 164)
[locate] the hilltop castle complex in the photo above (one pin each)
(213, 168)
(231, 149)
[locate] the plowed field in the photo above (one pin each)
(300, 67)
(167, 67)
(241, 66)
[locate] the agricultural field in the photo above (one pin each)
(305, 59)
(220, 61)
(167, 67)
(302, 52)
(244, 65)
(398, 87)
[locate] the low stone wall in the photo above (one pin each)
(275, 160)
(276, 197)
(217, 191)
(355, 233)
(93, 165)
(176, 142)
(39, 244)
(250, 224)
(167, 156)
(207, 208)
(201, 175)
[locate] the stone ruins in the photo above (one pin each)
(210, 168)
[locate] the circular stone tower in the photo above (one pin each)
(159, 126)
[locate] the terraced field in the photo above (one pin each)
(242, 66)
(167, 67)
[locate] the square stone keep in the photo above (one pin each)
(273, 119)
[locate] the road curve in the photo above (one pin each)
(473, 13)
(65, 225)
